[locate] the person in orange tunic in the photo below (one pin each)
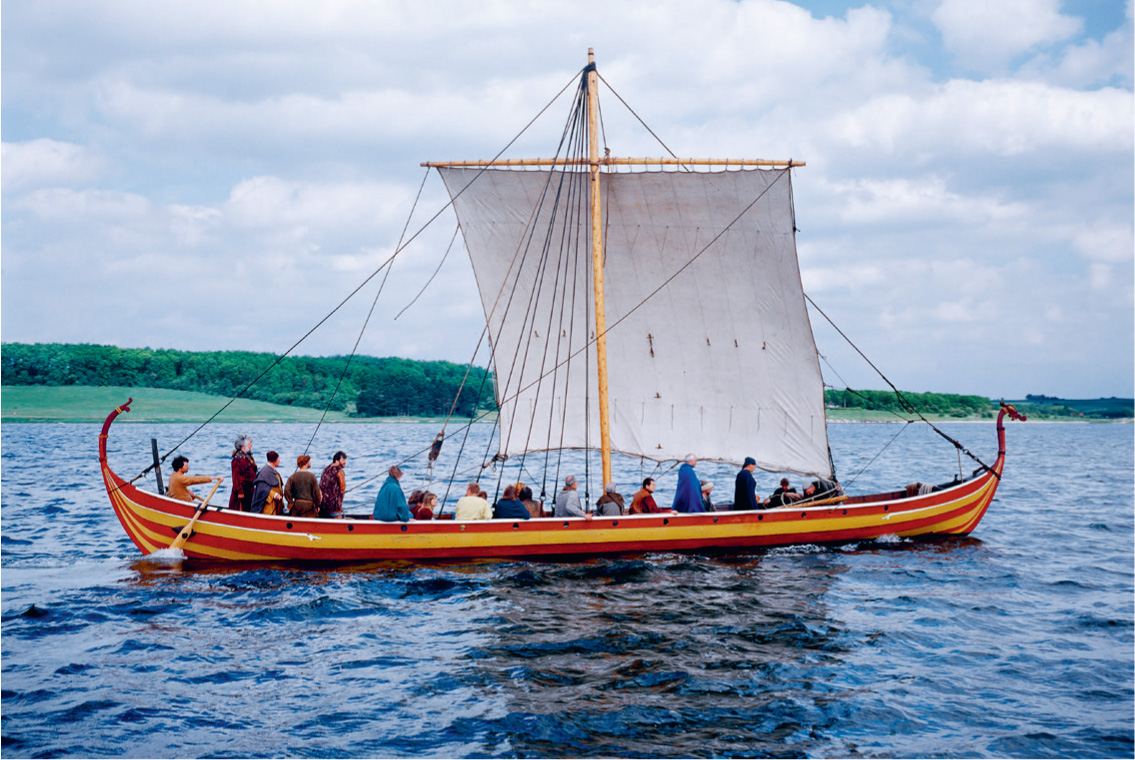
(180, 481)
(643, 502)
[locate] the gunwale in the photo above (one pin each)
(152, 522)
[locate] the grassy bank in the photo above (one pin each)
(73, 403)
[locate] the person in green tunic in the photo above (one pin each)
(390, 504)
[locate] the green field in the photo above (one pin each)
(72, 403)
(76, 403)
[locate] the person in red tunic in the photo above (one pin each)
(332, 485)
(244, 472)
(643, 502)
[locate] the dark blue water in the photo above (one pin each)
(1016, 642)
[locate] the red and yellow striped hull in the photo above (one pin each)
(153, 522)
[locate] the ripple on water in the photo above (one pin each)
(1017, 641)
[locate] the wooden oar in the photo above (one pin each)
(187, 531)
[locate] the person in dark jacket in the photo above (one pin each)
(823, 489)
(267, 488)
(745, 493)
(509, 507)
(784, 495)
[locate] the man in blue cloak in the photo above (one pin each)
(688, 496)
(390, 504)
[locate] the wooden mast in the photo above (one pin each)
(595, 162)
(597, 262)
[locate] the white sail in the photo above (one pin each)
(710, 349)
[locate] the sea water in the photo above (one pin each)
(1015, 642)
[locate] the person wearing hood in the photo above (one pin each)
(687, 497)
(390, 504)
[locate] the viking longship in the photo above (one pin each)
(639, 307)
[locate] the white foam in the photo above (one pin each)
(166, 555)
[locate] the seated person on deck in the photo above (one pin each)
(509, 507)
(567, 501)
(706, 501)
(643, 502)
(610, 504)
(471, 506)
(390, 504)
(783, 495)
(426, 506)
(823, 489)
(535, 508)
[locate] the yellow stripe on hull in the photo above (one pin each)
(154, 525)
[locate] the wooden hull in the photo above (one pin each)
(153, 522)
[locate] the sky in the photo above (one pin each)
(220, 175)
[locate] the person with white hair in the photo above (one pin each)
(244, 472)
(687, 497)
(610, 504)
(706, 501)
(567, 501)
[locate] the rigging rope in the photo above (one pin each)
(901, 429)
(370, 313)
(640, 121)
(898, 394)
(361, 285)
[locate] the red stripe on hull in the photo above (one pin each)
(153, 521)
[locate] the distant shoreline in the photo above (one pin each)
(83, 404)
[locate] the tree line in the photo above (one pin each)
(388, 387)
(371, 387)
(952, 405)
(939, 404)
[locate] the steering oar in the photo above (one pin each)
(187, 531)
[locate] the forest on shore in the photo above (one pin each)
(366, 386)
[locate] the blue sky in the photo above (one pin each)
(218, 175)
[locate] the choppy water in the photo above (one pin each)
(1016, 642)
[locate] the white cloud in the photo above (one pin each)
(1110, 244)
(1091, 63)
(998, 117)
(43, 162)
(986, 36)
(919, 200)
(278, 143)
(79, 207)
